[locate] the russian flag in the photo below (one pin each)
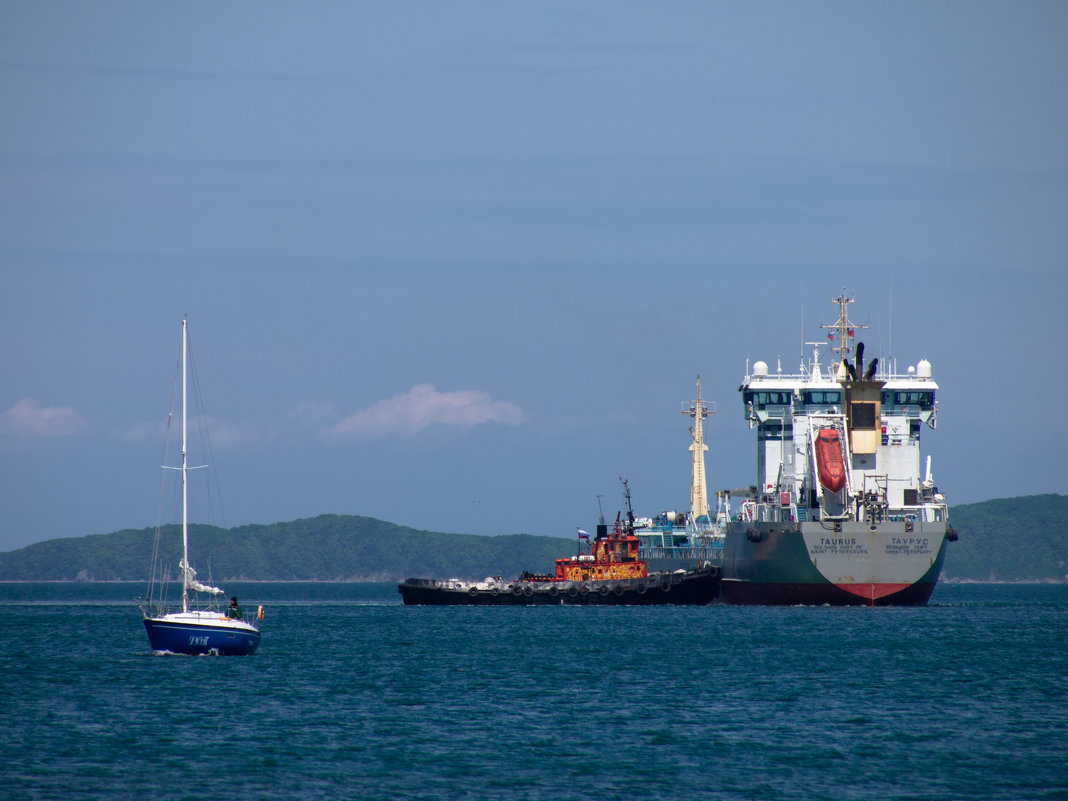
(583, 535)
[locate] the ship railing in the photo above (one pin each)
(710, 553)
(928, 513)
(661, 535)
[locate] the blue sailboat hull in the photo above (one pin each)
(182, 637)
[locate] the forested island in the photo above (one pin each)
(1012, 539)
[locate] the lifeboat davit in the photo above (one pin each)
(829, 459)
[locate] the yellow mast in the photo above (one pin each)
(698, 487)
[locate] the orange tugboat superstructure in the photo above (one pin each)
(614, 556)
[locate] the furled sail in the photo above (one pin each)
(193, 584)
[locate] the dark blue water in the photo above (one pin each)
(355, 696)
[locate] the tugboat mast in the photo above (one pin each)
(630, 509)
(698, 486)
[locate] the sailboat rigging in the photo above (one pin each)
(195, 629)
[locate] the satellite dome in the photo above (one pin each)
(923, 369)
(760, 369)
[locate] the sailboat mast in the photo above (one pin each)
(185, 491)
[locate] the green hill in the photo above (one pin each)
(324, 548)
(1013, 539)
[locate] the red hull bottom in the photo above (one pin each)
(745, 593)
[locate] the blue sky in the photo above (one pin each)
(457, 266)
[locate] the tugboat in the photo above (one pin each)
(612, 573)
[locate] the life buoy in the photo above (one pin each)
(604, 559)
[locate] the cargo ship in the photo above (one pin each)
(611, 573)
(839, 513)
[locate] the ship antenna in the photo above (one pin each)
(891, 365)
(600, 510)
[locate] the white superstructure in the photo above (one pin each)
(879, 416)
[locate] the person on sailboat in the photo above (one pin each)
(234, 610)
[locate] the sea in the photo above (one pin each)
(354, 696)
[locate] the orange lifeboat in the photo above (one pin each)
(829, 459)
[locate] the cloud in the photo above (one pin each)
(309, 413)
(27, 419)
(424, 406)
(226, 434)
(143, 432)
(220, 432)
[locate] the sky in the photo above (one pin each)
(458, 265)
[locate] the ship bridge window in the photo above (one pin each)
(762, 399)
(923, 399)
(774, 430)
(817, 396)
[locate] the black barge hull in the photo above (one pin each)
(690, 588)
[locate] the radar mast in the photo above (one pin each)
(843, 331)
(698, 410)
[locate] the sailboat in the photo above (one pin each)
(196, 629)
